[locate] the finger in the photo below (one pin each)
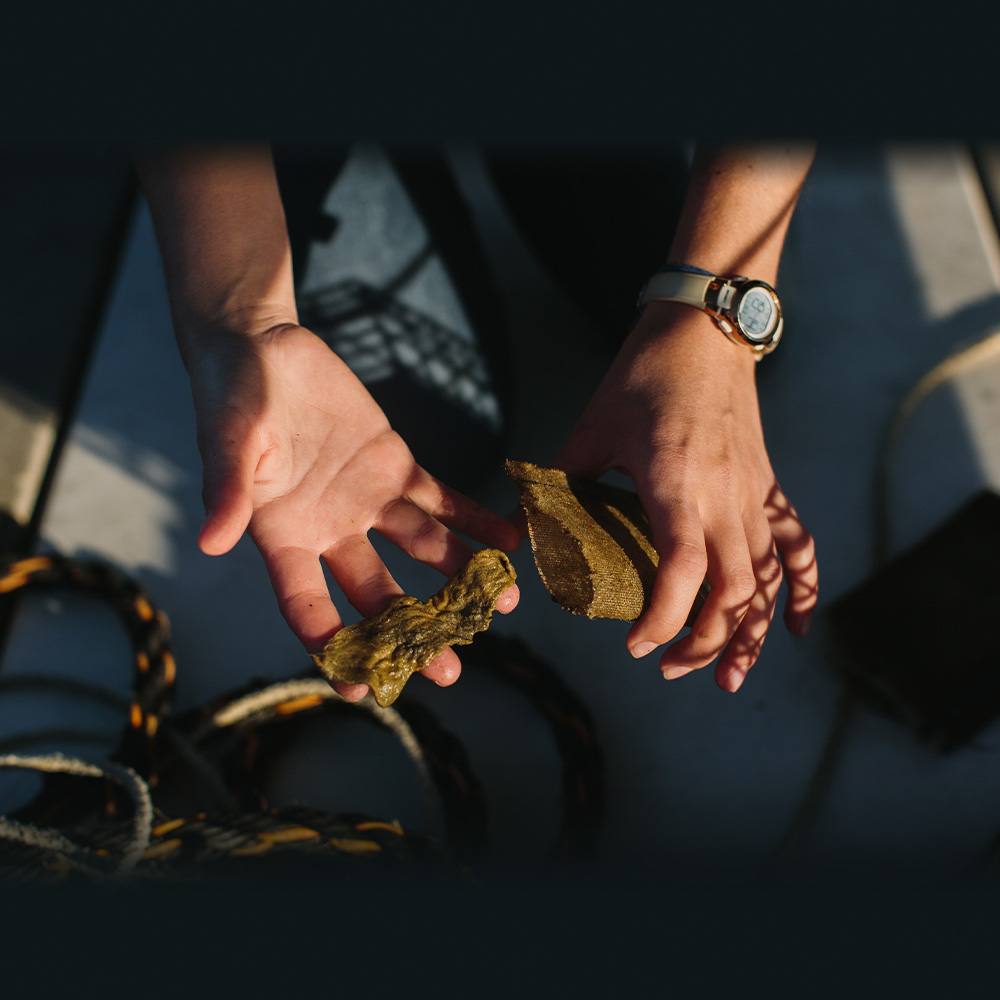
(580, 456)
(744, 648)
(734, 585)
(680, 542)
(460, 513)
(507, 601)
(227, 492)
(361, 574)
(797, 551)
(519, 519)
(304, 601)
(369, 586)
(423, 537)
(580, 465)
(427, 540)
(444, 669)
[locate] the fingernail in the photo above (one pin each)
(672, 673)
(642, 648)
(801, 628)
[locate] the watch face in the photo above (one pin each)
(757, 314)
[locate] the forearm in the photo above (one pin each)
(221, 229)
(739, 202)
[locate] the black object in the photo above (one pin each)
(456, 444)
(918, 639)
(599, 217)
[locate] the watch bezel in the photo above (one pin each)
(770, 338)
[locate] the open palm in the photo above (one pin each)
(296, 451)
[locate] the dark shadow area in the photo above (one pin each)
(599, 219)
(918, 638)
(444, 395)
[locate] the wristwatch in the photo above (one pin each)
(747, 311)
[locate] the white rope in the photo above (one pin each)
(48, 840)
(142, 820)
(963, 360)
(259, 701)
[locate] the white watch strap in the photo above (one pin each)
(678, 286)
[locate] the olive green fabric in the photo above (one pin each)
(383, 651)
(592, 543)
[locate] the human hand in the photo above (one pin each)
(296, 450)
(678, 412)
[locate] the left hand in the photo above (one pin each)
(678, 412)
(297, 452)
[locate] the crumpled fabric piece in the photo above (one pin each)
(385, 650)
(592, 543)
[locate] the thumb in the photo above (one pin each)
(227, 491)
(579, 457)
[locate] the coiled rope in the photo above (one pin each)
(961, 361)
(71, 831)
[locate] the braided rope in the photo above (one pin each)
(583, 790)
(227, 835)
(287, 697)
(154, 670)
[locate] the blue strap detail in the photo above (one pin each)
(687, 268)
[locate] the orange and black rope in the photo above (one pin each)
(240, 825)
(154, 670)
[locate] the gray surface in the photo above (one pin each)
(700, 782)
(63, 209)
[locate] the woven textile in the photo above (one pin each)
(592, 542)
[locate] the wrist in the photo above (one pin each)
(198, 335)
(746, 310)
(686, 329)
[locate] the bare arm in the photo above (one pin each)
(678, 412)
(294, 448)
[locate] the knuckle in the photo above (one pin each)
(429, 542)
(687, 557)
(741, 587)
(802, 546)
(304, 599)
(771, 572)
(371, 591)
(800, 558)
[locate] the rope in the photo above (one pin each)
(154, 669)
(583, 788)
(260, 716)
(963, 360)
(142, 821)
(158, 753)
(286, 697)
